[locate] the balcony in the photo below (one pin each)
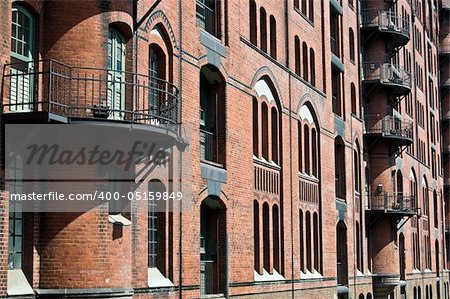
(397, 79)
(396, 130)
(53, 91)
(395, 27)
(395, 204)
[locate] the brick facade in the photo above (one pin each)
(291, 212)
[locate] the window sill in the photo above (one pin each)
(155, 279)
(18, 284)
(268, 277)
(119, 219)
(307, 19)
(309, 275)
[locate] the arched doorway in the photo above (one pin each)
(213, 247)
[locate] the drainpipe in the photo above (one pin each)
(180, 161)
(286, 20)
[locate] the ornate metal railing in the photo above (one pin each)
(385, 21)
(83, 92)
(397, 202)
(387, 73)
(389, 126)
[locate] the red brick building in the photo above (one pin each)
(317, 146)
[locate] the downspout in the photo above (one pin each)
(286, 20)
(180, 161)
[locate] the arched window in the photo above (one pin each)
(314, 152)
(253, 26)
(312, 62)
(157, 78)
(255, 127)
(300, 146)
(308, 242)
(435, 209)
(22, 55)
(339, 168)
(263, 25)
(302, 241)
(256, 236)
(358, 247)
(276, 238)
(316, 243)
(116, 72)
(157, 230)
(266, 237)
(353, 99)
(274, 118)
(357, 168)
(273, 37)
(265, 131)
(306, 149)
(297, 55)
(22, 34)
(305, 61)
(351, 42)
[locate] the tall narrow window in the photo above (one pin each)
(300, 147)
(265, 131)
(276, 238)
(266, 237)
(339, 168)
(296, 4)
(336, 93)
(256, 235)
(305, 61)
(308, 242)
(306, 149)
(311, 10)
(312, 62)
(304, 10)
(208, 16)
(353, 99)
(22, 48)
(314, 152)
(297, 51)
(255, 127)
(116, 73)
(316, 243)
(302, 242)
(274, 141)
(15, 236)
(351, 42)
(253, 26)
(263, 30)
(157, 237)
(156, 70)
(273, 37)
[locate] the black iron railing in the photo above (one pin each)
(208, 16)
(387, 73)
(385, 21)
(397, 202)
(83, 92)
(389, 126)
